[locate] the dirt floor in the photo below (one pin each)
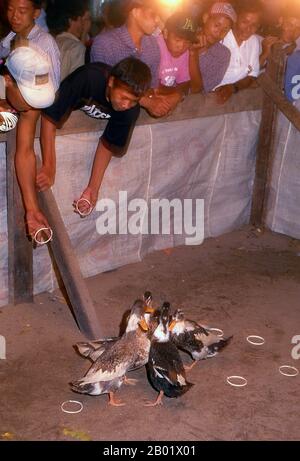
(246, 283)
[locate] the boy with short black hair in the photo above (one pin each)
(209, 58)
(102, 92)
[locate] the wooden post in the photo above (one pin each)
(283, 104)
(20, 278)
(267, 133)
(69, 269)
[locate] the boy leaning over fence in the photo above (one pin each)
(102, 92)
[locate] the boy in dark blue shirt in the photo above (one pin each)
(102, 92)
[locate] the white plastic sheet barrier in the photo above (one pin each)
(209, 158)
(283, 206)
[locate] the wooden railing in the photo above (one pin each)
(272, 83)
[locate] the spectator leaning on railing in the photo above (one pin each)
(209, 59)
(135, 38)
(288, 35)
(27, 87)
(174, 44)
(244, 46)
(102, 92)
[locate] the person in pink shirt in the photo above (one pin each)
(174, 44)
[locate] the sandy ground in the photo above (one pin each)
(244, 282)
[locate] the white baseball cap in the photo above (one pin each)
(31, 70)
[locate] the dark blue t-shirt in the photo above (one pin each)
(292, 77)
(85, 89)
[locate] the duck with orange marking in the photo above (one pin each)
(199, 342)
(165, 368)
(108, 372)
(94, 349)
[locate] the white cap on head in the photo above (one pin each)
(31, 70)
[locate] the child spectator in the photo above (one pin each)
(245, 50)
(21, 15)
(102, 92)
(289, 33)
(66, 21)
(209, 59)
(174, 44)
(292, 77)
(135, 38)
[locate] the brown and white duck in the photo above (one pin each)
(94, 349)
(108, 372)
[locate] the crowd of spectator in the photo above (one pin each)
(53, 47)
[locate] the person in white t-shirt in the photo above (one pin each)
(244, 46)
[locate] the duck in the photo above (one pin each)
(165, 369)
(198, 341)
(108, 372)
(94, 349)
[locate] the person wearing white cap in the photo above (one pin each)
(29, 80)
(27, 87)
(24, 85)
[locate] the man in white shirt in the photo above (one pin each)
(21, 15)
(245, 50)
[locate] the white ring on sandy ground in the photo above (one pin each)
(39, 242)
(256, 340)
(296, 371)
(217, 330)
(82, 199)
(243, 380)
(72, 412)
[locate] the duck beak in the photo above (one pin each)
(172, 325)
(143, 325)
(149, 310)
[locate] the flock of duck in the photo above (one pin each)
(153, 337)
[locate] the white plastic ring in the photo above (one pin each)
(256, 340)
(217, 330)
(82, 199)
(243, 381)
(9, 121)
(72, 412)
(40, 242)
(288, 367)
